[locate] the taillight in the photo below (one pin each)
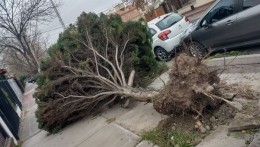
(187, 19)
(164, 35)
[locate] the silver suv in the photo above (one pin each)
(227, 24)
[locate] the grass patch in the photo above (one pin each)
(229, 54)
(170, 138)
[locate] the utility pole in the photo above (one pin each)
(58, 14)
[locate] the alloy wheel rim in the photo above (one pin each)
(161, 55)
(195, 50)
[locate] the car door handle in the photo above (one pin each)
(229, 22)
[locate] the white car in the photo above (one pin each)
(166, 33)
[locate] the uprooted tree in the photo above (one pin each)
(95, 62)
(89, 68)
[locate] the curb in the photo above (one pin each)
(235, 61)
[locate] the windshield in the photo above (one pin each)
(168, 21)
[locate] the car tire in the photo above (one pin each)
(197, 50)
(161, 54)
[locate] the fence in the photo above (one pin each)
(3, 137)
(10, 99)
(155, 13)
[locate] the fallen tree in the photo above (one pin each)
(90, 67)
(92, 71)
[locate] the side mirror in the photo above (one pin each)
(205, 24)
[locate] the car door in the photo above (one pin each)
(221, 28)
(248, 21)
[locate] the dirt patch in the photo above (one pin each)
(223, 115)
(185, 123)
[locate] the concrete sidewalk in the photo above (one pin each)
(253, 59)
(99, 131)
(237, 64)
(123, 131)
(28, 125)
(219, 138)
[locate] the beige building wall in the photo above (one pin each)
(197, 3)
(128, 13)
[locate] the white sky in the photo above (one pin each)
(70, 10)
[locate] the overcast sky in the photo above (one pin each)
(70, 10)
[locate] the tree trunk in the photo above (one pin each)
(139, 95)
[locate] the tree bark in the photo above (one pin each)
(140, 95)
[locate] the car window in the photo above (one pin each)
(152, 31)
(250, 3)
(222, 10)
(168, 21)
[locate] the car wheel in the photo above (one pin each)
(161, 54)
(197, 50)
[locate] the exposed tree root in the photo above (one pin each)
(193, 87)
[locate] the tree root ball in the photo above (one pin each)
(179, 96)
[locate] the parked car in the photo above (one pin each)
(227, 24)
(166, 33)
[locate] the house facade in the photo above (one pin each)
(129, 12)
(184, 6)
(10, 111)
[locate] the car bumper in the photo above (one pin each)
(172, 43)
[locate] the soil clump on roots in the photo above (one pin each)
(190, 88)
